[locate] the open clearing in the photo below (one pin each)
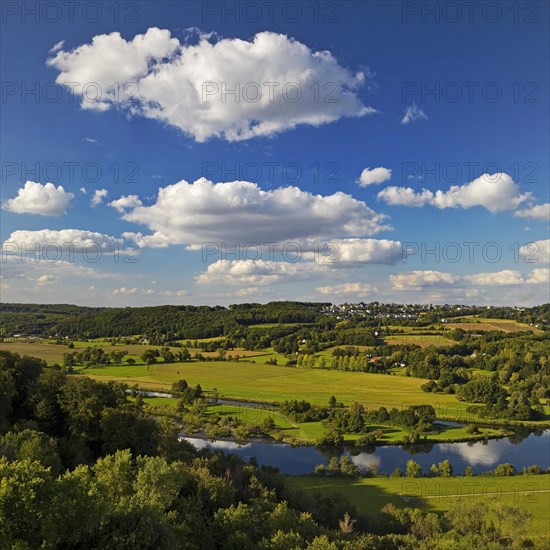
(437, 494)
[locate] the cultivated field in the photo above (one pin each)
(422, 340)
(472, 322)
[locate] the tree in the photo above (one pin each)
(180, 386)
(31, 445)
(347, 467)
(445, 468)
(149, 356)
(413, 469)
(117, 356)
(347, 524)
(25, 492)
(505, 469)
(127, 429)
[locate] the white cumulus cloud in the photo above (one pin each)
(241, 212)
(346, 289)
(510, 277)
(370, 176)
(99, 195)
(356, 251)
(416, 280)
(281, 83)
(34, 198)
(495, 192)
(69, 240)
(537, 212)
(123, 291)
(537, 252)
(125, 202)
(245, 272)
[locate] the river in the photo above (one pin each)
(522, 450)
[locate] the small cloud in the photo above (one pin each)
(99, 195)
(123, 291)
(413, 113)
(370, 176)
(156, 176)
(83, 190)
(57, 46)
(127, 202)
(45, 279)
(90, 140)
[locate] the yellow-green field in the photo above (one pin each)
(53, 353)
(422, 340)
(369, 495)
(274, 383)
(473, 322)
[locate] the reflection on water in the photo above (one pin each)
(521, 450)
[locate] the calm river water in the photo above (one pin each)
(522, 450)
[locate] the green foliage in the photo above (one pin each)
(413, 469)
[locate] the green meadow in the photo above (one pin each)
(259, 382)
(310, 432)
(438, 495)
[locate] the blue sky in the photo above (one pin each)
(468, 164)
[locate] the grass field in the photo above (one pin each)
(274, 384)
(422, 340)
(472, 322)
(53, 353)
(310, 432)
(369, 495)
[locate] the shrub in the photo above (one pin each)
(505, 469)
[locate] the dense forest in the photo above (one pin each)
(82, 467)
(166, 323)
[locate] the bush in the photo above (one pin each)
(505, 469)
(365, 440)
